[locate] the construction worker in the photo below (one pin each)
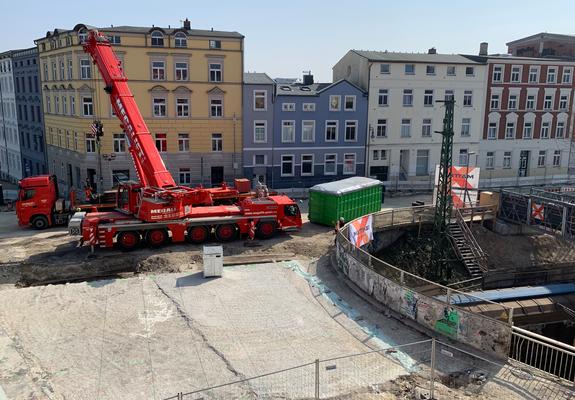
(338, 225)
(252, 230)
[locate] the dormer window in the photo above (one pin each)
(181, 40)
(82, 35)
(215, 44)
(157, 39)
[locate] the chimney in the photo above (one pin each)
(433, 50)
(483, 48)
(187, 24)
(308, 78)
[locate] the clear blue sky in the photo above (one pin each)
(284, 39)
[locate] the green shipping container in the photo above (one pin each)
(348, 198)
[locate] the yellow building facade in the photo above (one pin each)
(187, 84)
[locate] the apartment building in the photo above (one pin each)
(186, 82)
(404, 112)
(543, 45)
(10, 157)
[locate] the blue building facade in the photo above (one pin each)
(29, 111)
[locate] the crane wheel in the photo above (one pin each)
(226, 232)
(128, 241)
(40, 222)
(157, 237)
(197, 234)
(266, 230)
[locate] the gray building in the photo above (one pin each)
(29, 111)
(10, 159)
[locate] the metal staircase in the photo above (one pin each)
(466, 247)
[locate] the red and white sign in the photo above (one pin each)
(537, 211)
(464, 185)
(361, 231)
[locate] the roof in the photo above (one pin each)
(345, 186)
(526, 59)
(415, 57)
(543, 35)
(257, 78)
(299, 89)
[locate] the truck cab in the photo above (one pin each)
(38, 202)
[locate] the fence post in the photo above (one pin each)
(510, 316)
(432, 383)
(392, 211)
(401, 277)
(317, 378)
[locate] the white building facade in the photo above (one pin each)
(10, 156)
(403, 113)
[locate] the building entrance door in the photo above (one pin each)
(403, 164)
(217, 176)
(524, 163)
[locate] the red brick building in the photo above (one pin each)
(543, 45)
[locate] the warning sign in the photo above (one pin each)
(361, 231)
(464, 185)
(537, 211)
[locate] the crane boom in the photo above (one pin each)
(150, 167)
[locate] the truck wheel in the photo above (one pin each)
(157, 237)
(226, 232)
(40, 222)
(128, 241)
(266, 230)
(197, 234)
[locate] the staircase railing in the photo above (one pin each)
(478, 253)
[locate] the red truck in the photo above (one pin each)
(156, 210)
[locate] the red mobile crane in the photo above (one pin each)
(155, 209)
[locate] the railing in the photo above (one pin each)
(553, 357)
(478, 253)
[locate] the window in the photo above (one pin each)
(260, 132)
(260, 100)
(350, 131)
(497, 72)
(512, 105)
(494, 101)
(308, 131)
(48, 105)
(288, 106)
(407, 97)
(181, 71)
(161, 142)
(381, 128)
(563, 102)
(375, 155)
(259, 159)
(430, 70)
(466, 127)
(409, 69)
(217, 142)
(62, 71)
(467, 98)
(216, 108)
(54, 76)
(182, 107)
(87, 106)
(545, 130)
(510, 130)
(567, 74)
(330, 164)
(183, 142)
(515, 73)
(288, 131)
(70, 69)
(64, 106)
(551, 74)
(287, 165)
(215, 70)
(349, 103)
(158, 70)
(530, 104)
(308, 107)
(533, 74)
(422, 163)
(490, 160)
(527, 130)
(469, 71)
(67, 139)
(331, 131)
(119, 143)
(334, 103)
(405, 128)
(185, 176)
(85, 69)
(557, 158)
(159, 107)
(548, 103)
(463, 157)
(115, 39)
(82, 35)
(541, 158)
(428, 98)
(157, 39)
(57, 104)
(215, 44)
(507, 159)
(451, 70)
(448, 95)
(560, 130)
(426, 127)
(181, 40)
(382, 98)
(46, 72)
(384, 68)
(90, 144)
(349, 164)
(492, 130)
(307, 164)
